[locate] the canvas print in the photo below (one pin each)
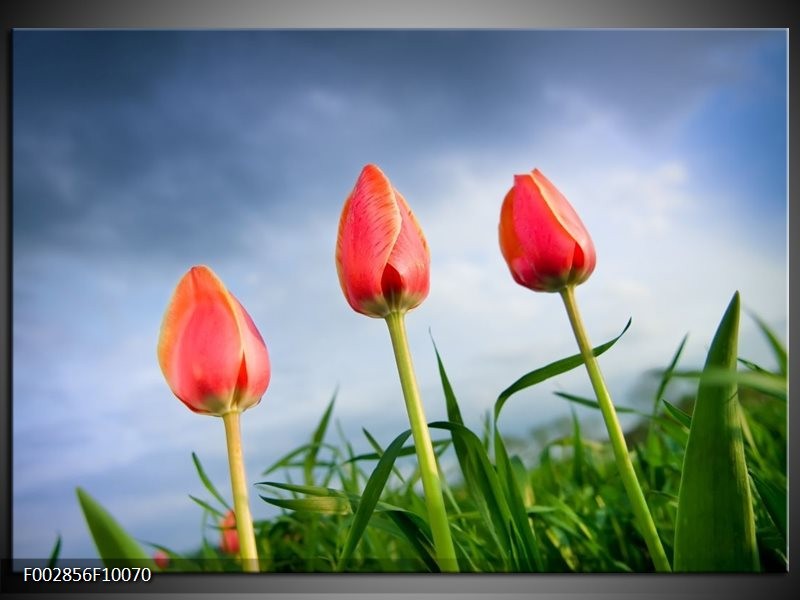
(415, 301)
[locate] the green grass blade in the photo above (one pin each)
(480, 478)
(330, 505)
(114, 545)
(371, 495)
(418, 535)
(577, 452)
(654, 444)
(379, 452)
(752, 366)
(438, 445)
(774, 499)
(767, 383)
(666, 376)
(207, 506)
(679, 415)
(527, 551)
(483, 484)
(777, 346)
(588, 402)
(286, 461)
(715, 526)
(177, 562)
(316, 442)
(555, 368)
(207, 482)
(55, 553)
(453, 411)
(310, 490)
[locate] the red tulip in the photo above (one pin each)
(161, 559)
(229, 537)
(381, 254)
(210, 352)
(542, 238)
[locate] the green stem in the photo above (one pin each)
(623, 459)
(241, 505)
(443, 543)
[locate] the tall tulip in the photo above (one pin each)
(383, 263)
(548, 249)
(382, 257)
(215, 361)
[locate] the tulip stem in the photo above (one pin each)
(623, 459)
(241, 505)
(432, 488)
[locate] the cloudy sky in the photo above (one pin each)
(139, 154)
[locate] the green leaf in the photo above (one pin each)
(555, 368)
(777, 347)
(453, 414)
(774, 498)
(114, 545)
(715, 526)
(679, 415)
(483, 484)
(439, 445)
(316, 442)
(418, 535)
(330, 505)
(578, 452)
(752, 366)
(207, 482)
(371, 495)
(768, 383)
(285, 461)
(208, 507)
(379, 452)
(54, 554)
(453, 411)
(666, 376)
(480, 479)
(177, 562)
(310, 490)
(593, 403)
(526, 549)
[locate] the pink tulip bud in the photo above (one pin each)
(161, 559)
(381, 254)
(229, 537)
(210, 352)
(542, 238)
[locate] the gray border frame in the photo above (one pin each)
(535, 14)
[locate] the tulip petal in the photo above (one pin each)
(369, 226)
(521, 268)
(200, 348)
(563, 211)
(254, 374)
(410, 258)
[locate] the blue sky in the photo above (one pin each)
(139, 154)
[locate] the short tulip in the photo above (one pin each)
(161, 559)
(542, 238)
(382, 257)
(212, 356)
(229, 537)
